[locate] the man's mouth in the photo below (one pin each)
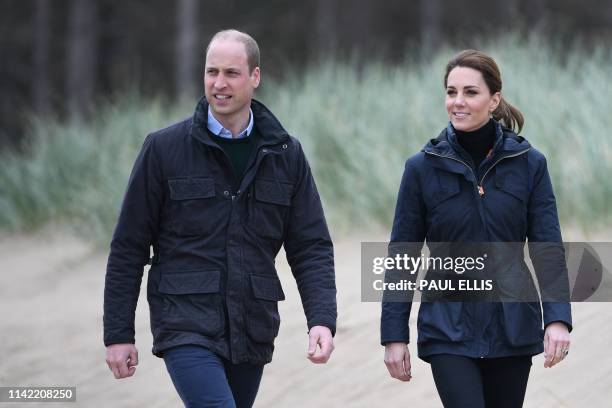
(222, 97)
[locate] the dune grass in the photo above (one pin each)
(358, 123)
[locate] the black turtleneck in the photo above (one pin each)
(478, 142)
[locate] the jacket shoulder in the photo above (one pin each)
(536, 160)
(294, 141)
(171, 134)
(536, 156)
(294, 146)
(416, 161)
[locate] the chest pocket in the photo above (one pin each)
(512, 182)
(449, 207)
(440, 191)
(448, 186)
(192, 202)
(269, 203)
(507, 199)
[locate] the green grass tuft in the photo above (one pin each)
(358, 124)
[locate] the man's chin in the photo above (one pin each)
(222, 110)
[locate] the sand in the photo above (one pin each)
(51, 289)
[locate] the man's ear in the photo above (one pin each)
(256, 77)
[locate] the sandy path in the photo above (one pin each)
(50, 334)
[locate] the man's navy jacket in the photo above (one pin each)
(509, 199)
(213, 280)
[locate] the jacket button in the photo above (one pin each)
(238, 192)
(226, 193)
(284, 145)
(264, 150)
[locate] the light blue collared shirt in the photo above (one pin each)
(217, 128)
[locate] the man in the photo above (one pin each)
(216, 196)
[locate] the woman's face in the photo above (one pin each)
(469, 102)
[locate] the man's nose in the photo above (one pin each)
(220, 82)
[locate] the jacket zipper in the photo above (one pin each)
(481, 191)
(460, 161)
(480, 188)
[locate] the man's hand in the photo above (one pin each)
(397, 360)
(321, 336)
(556, 343)
(122, 359)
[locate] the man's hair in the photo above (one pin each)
(250, 45)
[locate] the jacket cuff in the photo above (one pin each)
(330, 325)
(384, 342)
(394, 330)
(569, 325)
(109, 340)
(557, 312)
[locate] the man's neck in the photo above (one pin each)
(235, 123)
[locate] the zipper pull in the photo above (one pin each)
(480, 190)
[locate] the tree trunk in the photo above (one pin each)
(325, 41)
(509, 10)
(187, 49)
(82, 55)
(537, 12)
(40, 80)
(430, 25)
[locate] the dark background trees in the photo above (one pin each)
(63, 57)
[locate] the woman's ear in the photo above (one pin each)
(495, 101)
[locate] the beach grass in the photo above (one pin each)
(358, 122)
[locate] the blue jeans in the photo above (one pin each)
(203, 379)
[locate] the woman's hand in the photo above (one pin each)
(556, 343)
(397, 360)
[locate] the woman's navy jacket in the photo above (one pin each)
(508, 199)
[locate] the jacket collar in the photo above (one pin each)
(506, 143)
(269, 127)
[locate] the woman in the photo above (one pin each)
(478, 182)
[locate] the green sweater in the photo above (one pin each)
(238, 150)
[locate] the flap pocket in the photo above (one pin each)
(448, 186)
(273, 191)
(185, 283)
(512, 182)
(267, 288)
(191, 188)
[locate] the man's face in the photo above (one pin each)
(228, 84)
